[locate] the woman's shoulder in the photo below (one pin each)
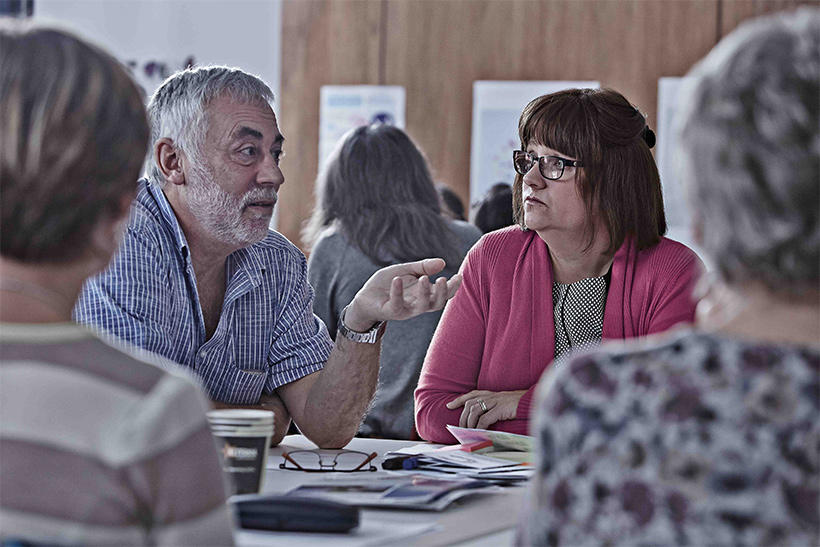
(329, 237)
(466, 233)
(669, 258)
(669, 249)
(702, 363)
(497, 248)
(506, 241)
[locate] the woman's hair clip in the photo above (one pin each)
(648, 136)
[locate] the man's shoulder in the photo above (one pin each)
(277, 248)
(145, 218)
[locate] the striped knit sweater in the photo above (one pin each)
(99, 447)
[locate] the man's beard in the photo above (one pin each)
(221, 213)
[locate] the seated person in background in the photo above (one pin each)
(376, 205)
(450, 203)
(710, 436)
(97, 446)
(201, 280)
(495, 210)
(587, 262)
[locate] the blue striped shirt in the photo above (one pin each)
(267, 334)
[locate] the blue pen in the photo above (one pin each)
(410, 463)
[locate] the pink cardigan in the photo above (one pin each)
(498, 332)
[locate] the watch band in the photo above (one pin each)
(368, 337)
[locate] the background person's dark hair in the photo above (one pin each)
(450, 203)
(495, 210)
(609, 136)
(73, 135)
(378, 189)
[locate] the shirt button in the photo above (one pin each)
(202, 354)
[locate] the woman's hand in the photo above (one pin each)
(498, 405)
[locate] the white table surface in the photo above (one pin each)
(476, 520)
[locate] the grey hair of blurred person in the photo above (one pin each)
(178, 108)
(73, 132)
(749, 133)
(376, 187)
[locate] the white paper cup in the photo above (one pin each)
(243, 437)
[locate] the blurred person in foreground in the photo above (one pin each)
(201, 279)
(586, 262)
(495, 210)
(97, 445)
(711, 436)
(377, 205)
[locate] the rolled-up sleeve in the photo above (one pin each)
(301, 344)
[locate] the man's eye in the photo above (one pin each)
(277, 156)
(249, 151)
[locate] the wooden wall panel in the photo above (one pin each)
(437, 48)
(734, 12)
(323, 43)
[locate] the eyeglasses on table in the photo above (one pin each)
(317, 461)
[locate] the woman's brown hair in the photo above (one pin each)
(619, 180)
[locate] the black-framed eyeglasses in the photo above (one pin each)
(316, 461)
(550, 167)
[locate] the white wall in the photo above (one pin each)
(243, 33)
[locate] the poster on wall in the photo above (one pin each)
(344, 107)
(497, 106)
(674, 193)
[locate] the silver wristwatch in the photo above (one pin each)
(369, 337)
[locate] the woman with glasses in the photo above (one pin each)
(711, 436)
(587, 262)
(377, 205)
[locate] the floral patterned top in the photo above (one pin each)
(693, 439)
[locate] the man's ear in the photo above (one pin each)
(169, 160)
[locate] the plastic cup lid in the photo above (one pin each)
(241, 423)
(242, 433)
(240, 414)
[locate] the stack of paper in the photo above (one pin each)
(505, 457)
(395, 491)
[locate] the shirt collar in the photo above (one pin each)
(169, 217)
(247, 259)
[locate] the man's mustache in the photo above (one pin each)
(260, 197)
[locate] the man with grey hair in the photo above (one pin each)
(201, 280)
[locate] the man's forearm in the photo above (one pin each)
(340, 395)
(272, 402)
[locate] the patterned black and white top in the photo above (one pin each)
(695, 439)
(578, 309)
